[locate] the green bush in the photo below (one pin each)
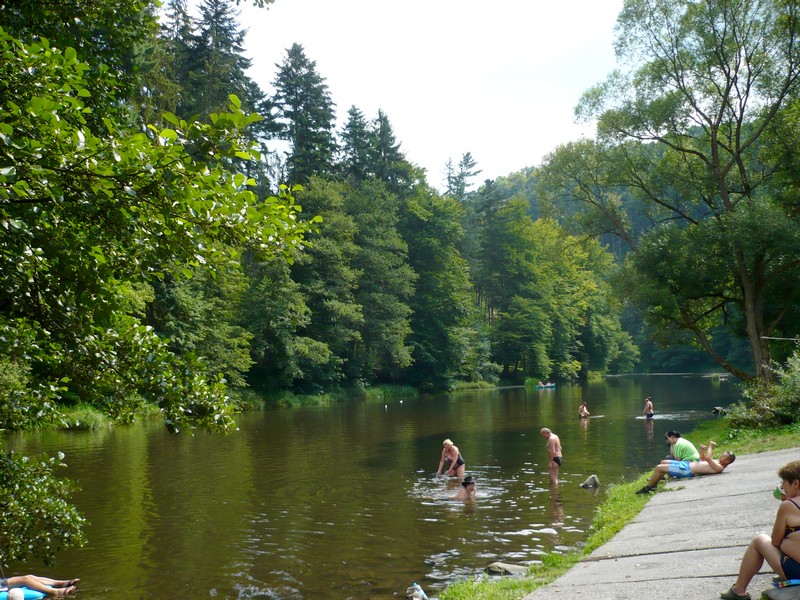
(36, 518)
(771, 404)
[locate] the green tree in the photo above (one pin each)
(458, 178)
(442, 304)
(216, 65)
(389, 162)
(358, 146)
(88, 215)
(708, 84)
(306, 116)
(385, 285)
(328, 279)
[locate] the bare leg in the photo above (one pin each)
(57, 587)
(658, 474)
(553, 473)
(760, 548)
(460, 471)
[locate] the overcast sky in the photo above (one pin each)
(499, 79)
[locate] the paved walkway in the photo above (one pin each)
(687, 543)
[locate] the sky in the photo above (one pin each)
(499, 79)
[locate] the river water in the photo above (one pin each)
(342, 501)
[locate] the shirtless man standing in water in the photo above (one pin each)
(554, 449)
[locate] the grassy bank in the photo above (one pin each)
(618, 509)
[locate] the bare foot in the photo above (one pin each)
(65, 591)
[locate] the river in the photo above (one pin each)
(342, 502)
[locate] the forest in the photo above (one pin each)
(156, 248)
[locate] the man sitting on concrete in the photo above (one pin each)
(684, 468)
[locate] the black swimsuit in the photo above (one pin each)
(791, 568)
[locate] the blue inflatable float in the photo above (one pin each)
(29, 594)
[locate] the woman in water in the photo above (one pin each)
(452, 462)
(583, 412)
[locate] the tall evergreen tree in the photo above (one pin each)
(385, 285)
(458, 179)
(389, 162)
(217, 67)
(358, 146)
(442, 338)
(307, 117)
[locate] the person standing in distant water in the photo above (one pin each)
(583, 412)
(554, 450)
(452, 462)
(648, 408)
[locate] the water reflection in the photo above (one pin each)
(343, 501)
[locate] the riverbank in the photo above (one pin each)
(622, 507)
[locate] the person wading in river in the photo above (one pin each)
(554, 450)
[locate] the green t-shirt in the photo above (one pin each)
(685, 450)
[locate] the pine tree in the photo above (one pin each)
(217, 67)
(358, 146)
(306, 116)
(390, 163)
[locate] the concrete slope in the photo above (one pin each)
(687, 542)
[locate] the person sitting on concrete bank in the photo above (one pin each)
(782, 549)
(685, 468)
(680, 448)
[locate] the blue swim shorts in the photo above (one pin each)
(680, 468)
(790, 567)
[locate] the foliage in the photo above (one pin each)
(695, 126)
(36, 519)
(88, 214)
(442, 308)
(385, 284)
(771, 404)
(306, 116)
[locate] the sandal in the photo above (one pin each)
(731, 595)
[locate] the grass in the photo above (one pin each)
(85, 417)
(618, 509)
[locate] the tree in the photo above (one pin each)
(389, 162)
(358, 146)
(306, 116)
(88, 215)
(385, 286)
(442, 304)
(216, 65)
(328, 279)
(458, 178)
(708, 86)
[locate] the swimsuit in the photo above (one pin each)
(448, 463)
(791, 568)
(680, 468)
(557, 460)
(649, 415)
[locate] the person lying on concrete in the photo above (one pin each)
(708, 465)
(782, 549)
